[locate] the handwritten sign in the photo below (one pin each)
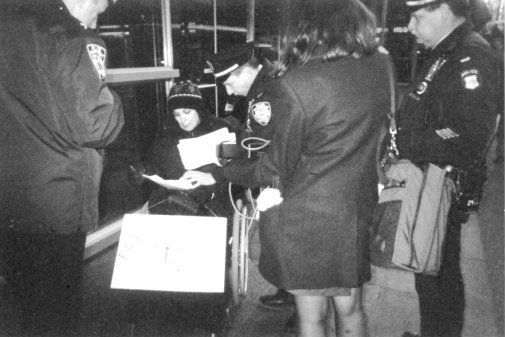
(171, 253)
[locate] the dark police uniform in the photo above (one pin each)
(56, 113)
(447, 119)
(258, 116)
(257, 126)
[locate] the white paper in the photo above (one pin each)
(171, 253)
(180, 184)
(199, 151)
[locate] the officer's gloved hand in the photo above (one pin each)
(135, 173)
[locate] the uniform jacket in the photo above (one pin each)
(56, 112)
(165, 161)
(257, 124)
(326, 119)
(449, 119)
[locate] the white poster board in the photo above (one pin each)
(171, 253)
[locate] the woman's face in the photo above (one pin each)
(188, 119)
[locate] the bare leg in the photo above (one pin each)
(312, 311)
(350, 315)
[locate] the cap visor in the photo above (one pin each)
(226, 71)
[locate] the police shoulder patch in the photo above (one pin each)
(470, 79)
(97, 55)
(261, 112)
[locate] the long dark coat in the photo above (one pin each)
(327, 118)
(56, 113)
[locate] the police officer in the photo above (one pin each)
(57, 115)
(244, 72)
(447, 119)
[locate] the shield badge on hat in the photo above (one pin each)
(97, 55)
(261, 112)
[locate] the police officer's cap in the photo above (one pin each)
(458, 7)
(414, 5)
(226, 61)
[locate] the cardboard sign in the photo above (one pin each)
(171, 253)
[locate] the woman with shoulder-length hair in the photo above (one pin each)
(328, 29)
(327, 107)
(333, 64)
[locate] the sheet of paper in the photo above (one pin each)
(199, 151)
(171, 253)
(180, 184)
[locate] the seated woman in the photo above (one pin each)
(187, 118)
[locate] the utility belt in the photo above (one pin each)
(469, 186)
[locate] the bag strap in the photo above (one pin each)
(392, 123)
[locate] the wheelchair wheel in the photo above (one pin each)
(235, 253)
(239, 252)
(243, 251)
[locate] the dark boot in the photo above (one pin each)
(280, 300)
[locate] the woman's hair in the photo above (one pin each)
(331, 29)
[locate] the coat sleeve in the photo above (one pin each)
(284, 151)
(164, 159)
(93, 114)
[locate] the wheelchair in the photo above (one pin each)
(211, 312)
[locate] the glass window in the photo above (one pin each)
(133, 33)
(133, 36)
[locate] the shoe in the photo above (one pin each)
(411, 334)
(280, 300)
(291, 325)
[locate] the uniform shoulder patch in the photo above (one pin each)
(261, 112)
(97, 55)
(471, 79)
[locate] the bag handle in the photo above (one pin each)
(392, 123)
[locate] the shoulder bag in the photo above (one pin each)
(410, 219)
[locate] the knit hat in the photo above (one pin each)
(185, 94)
(226, 61)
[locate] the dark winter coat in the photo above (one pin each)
(165, 161)
(55, 113)
(326, 119)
